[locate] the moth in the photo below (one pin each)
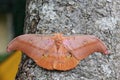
(57, 52)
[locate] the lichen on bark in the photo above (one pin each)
(97, 17)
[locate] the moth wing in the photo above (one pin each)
(84, 45)
(34, 45)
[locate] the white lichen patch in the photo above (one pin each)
(106, 70)
(118, 48)
(109, 0)
(48, 11)
(107, 23)
(32, 7)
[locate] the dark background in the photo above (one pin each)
(17, 8)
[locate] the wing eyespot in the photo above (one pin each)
(69, 55)
(45, 55)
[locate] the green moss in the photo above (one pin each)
(3, 57)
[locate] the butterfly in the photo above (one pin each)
(57, 51)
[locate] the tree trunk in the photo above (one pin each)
(97, 17)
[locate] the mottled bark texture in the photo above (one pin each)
(96, 17)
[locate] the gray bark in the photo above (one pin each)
(97, 17)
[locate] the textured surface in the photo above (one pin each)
(97, 17)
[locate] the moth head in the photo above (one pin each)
(58, 37)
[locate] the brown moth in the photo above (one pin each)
(57, 52)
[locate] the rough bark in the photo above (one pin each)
(96, 17)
